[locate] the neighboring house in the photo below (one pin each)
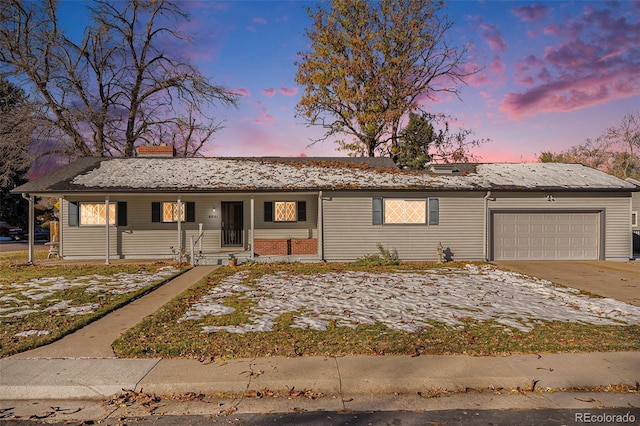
(335, 209)
(635, 218)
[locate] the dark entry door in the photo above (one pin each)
(232, 223)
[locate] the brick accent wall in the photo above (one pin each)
(304, 246)
(270, 246)
(285, 247)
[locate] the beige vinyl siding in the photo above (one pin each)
(286, 230)
(310, 225)
(635, 207)
(349, 233)
(87, 241)
(140, 237)
(616, 206)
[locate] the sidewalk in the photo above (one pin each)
(82, 367)
(356, 383)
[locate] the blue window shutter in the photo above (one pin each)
(434, 211)
(376, 207)
(122, 213)
(190, 211)
(268, 211)
(302, 211)
(73, 213)
(155, 212)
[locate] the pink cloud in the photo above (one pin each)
(289, 91)
(241, 91)
(530, 13)
(492, 73)
(269, 91)
(596, 60)
(571, 94)
(492, 36)
(553, 29)
(264, 118)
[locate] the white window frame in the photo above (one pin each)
(101, 220)
(634, 219)
(174, 209)
(285, 220)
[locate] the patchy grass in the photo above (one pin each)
(34, 312)
(163, 335)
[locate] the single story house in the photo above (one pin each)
(334, 209)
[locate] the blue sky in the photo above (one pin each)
(554, 73)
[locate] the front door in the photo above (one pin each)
(232, 223)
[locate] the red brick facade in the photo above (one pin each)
(285, 247)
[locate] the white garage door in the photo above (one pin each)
(545, 236)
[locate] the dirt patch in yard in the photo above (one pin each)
(617, 280)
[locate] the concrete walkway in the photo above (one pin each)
(94, 340)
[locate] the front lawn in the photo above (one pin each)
(42, 303)
(411, 308)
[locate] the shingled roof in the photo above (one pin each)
(137, 175)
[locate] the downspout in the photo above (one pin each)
(31, 225)
(320, 227)
(485, 239)
(106, 225)
(251, 241)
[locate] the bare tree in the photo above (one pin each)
(113, 89)
(370, 63)
(614, 152)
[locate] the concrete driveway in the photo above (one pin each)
(617, 280)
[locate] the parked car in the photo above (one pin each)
(39, 234)
(7, 230)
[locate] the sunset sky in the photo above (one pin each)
(554, 73)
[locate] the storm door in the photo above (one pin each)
(232, 223)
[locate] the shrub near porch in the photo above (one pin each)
(339, 309)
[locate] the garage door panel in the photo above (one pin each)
(546, 236)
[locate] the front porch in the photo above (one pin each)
(197, 228)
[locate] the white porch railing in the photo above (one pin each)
(193, 244)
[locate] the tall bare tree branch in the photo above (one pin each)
(112, 90)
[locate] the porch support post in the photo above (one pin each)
(253, 220)
(31, 224)
(106, 226)
(179, 226)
